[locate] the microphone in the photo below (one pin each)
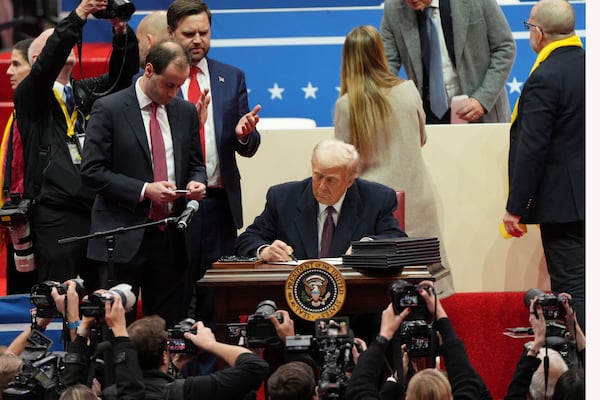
(186, 215)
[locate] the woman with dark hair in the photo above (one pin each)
(12, 169)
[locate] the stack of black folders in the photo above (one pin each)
(394, 253)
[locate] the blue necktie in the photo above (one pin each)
(70, 102)
(437, 90)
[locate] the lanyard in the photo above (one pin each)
(71, 120)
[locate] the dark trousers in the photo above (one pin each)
(60, 262)
(564, 246)
(159, 269)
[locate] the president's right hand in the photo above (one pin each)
(278, 251)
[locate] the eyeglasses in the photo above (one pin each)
(528, 26)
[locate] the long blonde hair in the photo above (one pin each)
(429, 384)
(367, 80)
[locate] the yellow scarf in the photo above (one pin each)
(543, 55)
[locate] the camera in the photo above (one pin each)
(41, 296)
(419, 338)
(259, 330)
(334, 341)
(37, 380)
(176, 341)
(94, 304)
(13, 215)
(403, 294)
(122, 9)
(552, 306)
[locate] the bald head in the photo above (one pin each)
(555, 17)
(152, 29)
(38, 44)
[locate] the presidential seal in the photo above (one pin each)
(315, 289)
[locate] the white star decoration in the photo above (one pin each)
(515, 85)
(310, 91)
(276, 92)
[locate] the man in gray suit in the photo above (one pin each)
(477, 53)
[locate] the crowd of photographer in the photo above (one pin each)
(106, 358)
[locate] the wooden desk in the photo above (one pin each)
(238, 291)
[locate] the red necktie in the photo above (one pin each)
(193, 95)
(327, 236)
(159, 159)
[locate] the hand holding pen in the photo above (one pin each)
(278, 251)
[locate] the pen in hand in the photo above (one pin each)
(293, 257)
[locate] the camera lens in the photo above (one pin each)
(266, 308)
(530, 294)
(124, 291)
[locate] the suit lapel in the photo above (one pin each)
(460, 15)
(217, 100)
(133, 115)
(412, 41)
(306, 222)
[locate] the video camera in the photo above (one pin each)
(41, 296)
(331, 348)
(259, 329)
(94, 304)
(176, 341)
(403, 294)
(122, 9)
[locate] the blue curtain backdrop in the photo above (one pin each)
(291, 50)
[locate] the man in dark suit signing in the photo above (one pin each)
(296, 212)
(547, 149)
(142, 144)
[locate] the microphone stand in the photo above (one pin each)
(106, 275)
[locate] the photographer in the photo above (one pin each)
(464, 380)
(529, 380)
(148, 338)
(52, 110)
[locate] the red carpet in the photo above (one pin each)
(479, 320)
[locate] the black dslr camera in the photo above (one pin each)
(41, 296)
(552, 306)
(419, 338)
(94, 304)
(122, 9)
(259, 330)
(176, 342)
(38, 380)
(403, 295)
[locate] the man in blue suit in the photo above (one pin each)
(219, 92)
(547, 149)
(296, 212)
